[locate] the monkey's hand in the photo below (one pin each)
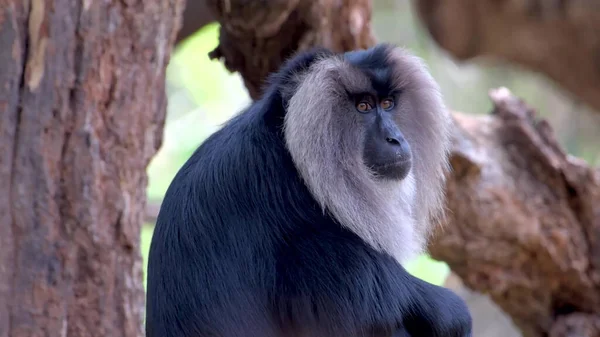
(440, 313)
(452, 315)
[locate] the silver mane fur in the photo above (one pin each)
(323, 135)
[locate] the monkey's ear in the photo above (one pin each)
(282, 84)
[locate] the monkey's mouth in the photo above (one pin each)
(395, 170)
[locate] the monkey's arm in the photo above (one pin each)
(439, 312)
(335, 285)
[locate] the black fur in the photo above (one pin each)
(375, 63)
(241, 249)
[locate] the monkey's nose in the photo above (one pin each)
(392, 140)
(397, 143)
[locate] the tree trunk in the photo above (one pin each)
(524, 221)
(82, 105)
(557, 38)
(524, 217)
(195, 16)
(255, 39)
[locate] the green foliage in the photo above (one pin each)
(208, 82)
(428, 269)
(191, 67)
(146, 238)
(162, 170)
(216, 95)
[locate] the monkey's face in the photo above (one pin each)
(364, 115)
(386, 152)
(369, 135)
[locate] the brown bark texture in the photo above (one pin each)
(257, 36)
(82, 105)
(195, 16)
(523, 219)
(557, 38)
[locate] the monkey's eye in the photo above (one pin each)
(387, 104)
(363, 107)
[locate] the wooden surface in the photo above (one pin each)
(82, 107)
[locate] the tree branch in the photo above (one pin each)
(524, 218)
(557, 38)
(255, 39)
(195, 16)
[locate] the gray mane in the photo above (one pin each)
(324, 137)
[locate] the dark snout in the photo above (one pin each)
(387, 152)
(396, 144)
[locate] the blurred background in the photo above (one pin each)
(202, 95)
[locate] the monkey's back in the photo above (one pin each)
(241, 248)
(206, 244)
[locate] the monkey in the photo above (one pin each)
(296, 217)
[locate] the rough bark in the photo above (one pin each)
(82, 105)
(557, 38)
(195, 16)
(524, 221)
(524, 217)
(256, 36)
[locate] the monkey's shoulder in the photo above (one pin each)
(241, 175)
